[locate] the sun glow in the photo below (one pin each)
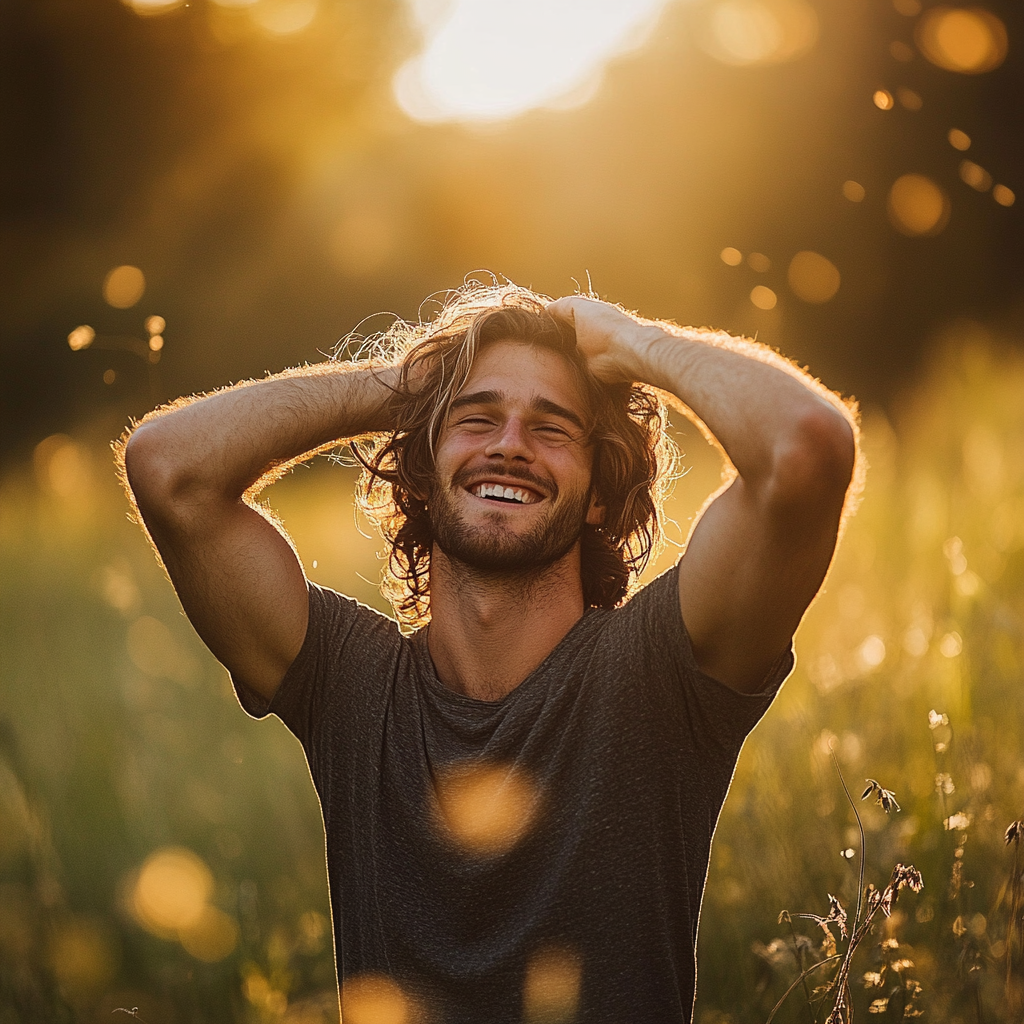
(483, 60)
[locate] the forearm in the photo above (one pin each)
(219, 446)
(758, 407)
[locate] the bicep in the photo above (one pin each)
(242, 588)
(751, 568)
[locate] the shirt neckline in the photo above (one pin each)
(437, 687)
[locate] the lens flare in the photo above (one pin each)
(171, 891)
(975, 175)
(969, 40)
(81, 337)
(753, 32)
(732, 257)
(485, 61)
(62, 466)
(551, 988)
(882, 99)
(211, 937)
(124, 286)
(1004, 196)
(959, 140)
(759, 263)
(485, 809)
(763, 298)
(375, 999)
(917, 206)
(813, 277)
(854, 191)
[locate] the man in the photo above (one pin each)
(519, 797)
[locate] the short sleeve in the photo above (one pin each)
(341, 633)
(714, 713)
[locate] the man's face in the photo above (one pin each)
(513, 471)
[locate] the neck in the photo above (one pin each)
(489, 631)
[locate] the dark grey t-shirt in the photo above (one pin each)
(630, 749)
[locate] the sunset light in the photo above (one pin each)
(486, 61)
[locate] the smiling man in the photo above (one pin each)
(519, 795)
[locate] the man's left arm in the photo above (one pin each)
(760, 551)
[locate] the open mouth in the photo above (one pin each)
(503, 493)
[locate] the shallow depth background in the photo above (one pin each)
(252, 174)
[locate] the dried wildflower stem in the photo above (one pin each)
(863, 841)
(901, 876)
(803, 975)
(800, 964)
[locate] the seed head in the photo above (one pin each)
(886, 798)
(1015, 833)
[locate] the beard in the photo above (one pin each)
(495, 546)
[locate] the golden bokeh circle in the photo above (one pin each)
(813, 277)
(968, 40)
(917, 207)
(124, 286)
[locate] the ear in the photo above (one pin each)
(595, 514)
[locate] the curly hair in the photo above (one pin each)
(625, 427)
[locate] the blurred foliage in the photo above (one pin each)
(159, 850)
(273, 193)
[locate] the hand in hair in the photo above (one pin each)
(612, 341)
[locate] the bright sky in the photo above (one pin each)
(486, 60)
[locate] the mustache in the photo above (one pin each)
(468, 477)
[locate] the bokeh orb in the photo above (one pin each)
(813, 277)
(171, 891)
(917, 206)
(124, 286)
(969, 40)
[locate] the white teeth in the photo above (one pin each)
(508, 493)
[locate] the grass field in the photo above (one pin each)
(160, 851)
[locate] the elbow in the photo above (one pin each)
(163, 486)
(814, 464)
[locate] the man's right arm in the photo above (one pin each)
(193, 472)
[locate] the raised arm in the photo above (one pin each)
(193, 471)
(761, 548)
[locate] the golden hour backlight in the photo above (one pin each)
(733, 257)
(763, 298)
(813, 277)
(376, 999)
(970, 40)
(750, 32)
(917, 206)
(485, 809)
(551, 988)
(124, 286)
(171, 891)
(485, 61)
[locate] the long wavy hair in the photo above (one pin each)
(632, 453)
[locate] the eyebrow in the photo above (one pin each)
(544, 405)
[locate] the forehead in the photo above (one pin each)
(525, 372)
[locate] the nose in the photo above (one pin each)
(512, 441)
